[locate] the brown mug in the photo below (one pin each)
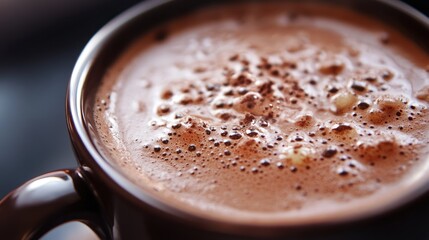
(100, 196)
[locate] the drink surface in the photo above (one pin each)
(263, 110)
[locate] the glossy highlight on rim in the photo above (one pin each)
(78, 127)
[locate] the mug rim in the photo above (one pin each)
(82, 140)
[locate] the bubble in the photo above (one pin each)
(192, 147)
(329, 152)
(251, 133)
(163, 109)
(212, 87)
(166, 94)
(313, 81)
(332, 89)
(263, 123)
(358, 86)
(219, 104)
(298, 138)
(342, 172)
(234, 57)
(363, 105)
(265, 162)
(157, 148)
(229, 92)
(242, 90)
(331, 67)
(235, 127)
(341, 127)
(235, 135)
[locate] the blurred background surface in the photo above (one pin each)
(40, 40)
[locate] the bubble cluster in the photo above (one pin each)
(261, 119)
(303, 117)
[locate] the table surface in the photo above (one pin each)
(36, 61)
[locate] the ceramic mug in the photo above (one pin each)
(100, 196)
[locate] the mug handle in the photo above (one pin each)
(47, 201)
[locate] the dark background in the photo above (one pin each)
(40, 40)
(39, 45)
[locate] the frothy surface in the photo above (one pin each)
(267, 109)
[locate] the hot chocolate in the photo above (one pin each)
(267, 111)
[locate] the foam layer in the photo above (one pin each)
(273, 109)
